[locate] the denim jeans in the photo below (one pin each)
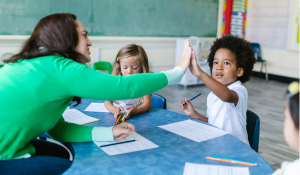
(49, 159)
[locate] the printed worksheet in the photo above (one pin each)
(204, 169)
(77, 117)
(96, 107)
(140, 144)
(194, 130)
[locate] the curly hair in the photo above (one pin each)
(242, 50)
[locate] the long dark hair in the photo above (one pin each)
(53, 34)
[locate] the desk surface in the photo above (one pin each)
(171, 155)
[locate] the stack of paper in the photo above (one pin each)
(96, 107)
(194, 130)
(77, 117)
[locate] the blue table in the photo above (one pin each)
(171, 155)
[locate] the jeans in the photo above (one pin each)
(50, 158)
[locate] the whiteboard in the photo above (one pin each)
(268, 23)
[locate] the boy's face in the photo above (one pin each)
(225, 68)
(291, 133)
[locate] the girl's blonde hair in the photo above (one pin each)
(132, 50)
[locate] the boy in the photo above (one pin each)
(231, 60)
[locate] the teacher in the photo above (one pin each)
(39, 82)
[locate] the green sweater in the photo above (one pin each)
(34, 93)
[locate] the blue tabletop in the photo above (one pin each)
(171, 155)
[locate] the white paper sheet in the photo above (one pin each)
(96, 107)
(194, 130)
(75, 116)
(204, 169)
(141, 144)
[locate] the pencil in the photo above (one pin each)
(117, 143)
(124, 117)
(118, 118)
(193, 98)
(223, 159)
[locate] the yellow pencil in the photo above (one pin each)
(223, 159)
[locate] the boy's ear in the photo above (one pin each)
(240, 72)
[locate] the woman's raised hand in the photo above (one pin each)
(185, 58)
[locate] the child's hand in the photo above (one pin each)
(123, 130)
(131, 112)
(194, 67)
(117, 112)
(185, 58)
(188, 108)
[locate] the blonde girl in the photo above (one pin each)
(131, 59)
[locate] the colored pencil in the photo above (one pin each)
(118, 118)
(117, 143)
(224, 159)
(193, 98)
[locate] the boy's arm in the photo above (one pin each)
(220, 90)
(189, 110)
(198, 116)
(217, 88)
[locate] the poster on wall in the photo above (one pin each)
(297, 26)
(234, 17)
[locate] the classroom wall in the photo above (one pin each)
(284, 62)
(161, 50)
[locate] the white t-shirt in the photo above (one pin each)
(227, 116)
(288, 168)
(127, 103)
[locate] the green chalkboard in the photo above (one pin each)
(153, 18)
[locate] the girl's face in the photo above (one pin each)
(291, 133)
(84, 43)
(129, 66)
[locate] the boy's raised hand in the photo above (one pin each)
(117, 112)
(188, 108)
(123, 130)
(185, 58)
(194, 67)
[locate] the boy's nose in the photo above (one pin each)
(219, 67)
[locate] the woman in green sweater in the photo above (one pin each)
(38, 83)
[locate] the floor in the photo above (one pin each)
(266, 99)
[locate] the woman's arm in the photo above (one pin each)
(70, 132)
(82, 81)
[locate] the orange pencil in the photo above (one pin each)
(118, 118)
(223, 159)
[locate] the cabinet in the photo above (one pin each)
(189, 78)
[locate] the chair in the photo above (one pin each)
(46, 137)
(257, 50)
(102, 65)
(158, 101)
(252, 127)
(1, 65)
